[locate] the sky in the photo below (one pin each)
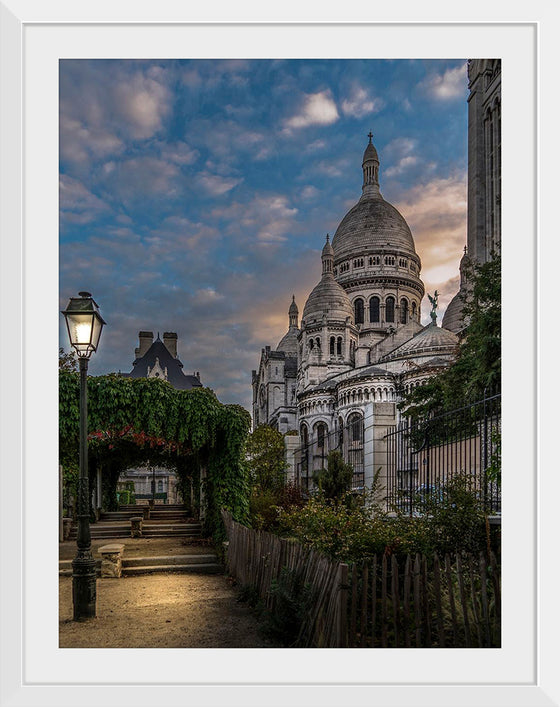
(195, 196)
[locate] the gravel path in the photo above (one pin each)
(161, 611)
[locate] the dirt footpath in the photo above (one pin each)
(161, 611)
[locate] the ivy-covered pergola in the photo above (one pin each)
(133, 421)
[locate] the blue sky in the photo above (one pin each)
(195, 196)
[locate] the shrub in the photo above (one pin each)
(292, 599)
(452, 520)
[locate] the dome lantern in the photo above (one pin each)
(327, 257)
(370, 169)
(293, 313)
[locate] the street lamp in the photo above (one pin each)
(84, 329)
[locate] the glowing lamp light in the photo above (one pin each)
(84, 324)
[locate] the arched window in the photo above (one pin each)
(414, 310)
(339, 346)
(374, 309)
(311, 344)
(160, 486)
(304, 449)
(390, 309)
(355, 448)
(356, 427)
(321, 436)
(404, 311)
(340, 433)
(359, 311)
(318, 342)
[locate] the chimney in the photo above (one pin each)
(145, 339)
(170, 341)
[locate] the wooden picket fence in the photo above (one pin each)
(384, 602)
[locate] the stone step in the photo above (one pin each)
(169, 560)
(158, 506)
(201, 564)
(192, 568)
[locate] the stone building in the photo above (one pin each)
(157, 359)
(334, 381)
(484, 220)
(359, 342)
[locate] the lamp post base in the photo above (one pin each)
(84, 586)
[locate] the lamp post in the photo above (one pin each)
(84, 329)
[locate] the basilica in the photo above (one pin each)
(359, 340)
(341, 369)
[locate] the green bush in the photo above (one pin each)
(265, 505)
(292, 600)
(452, 520)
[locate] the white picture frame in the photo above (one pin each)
(35, 671)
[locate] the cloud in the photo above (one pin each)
(263, 220)
(437, 215)
(140, 178)
(177, 152)
(78, 205)
(398, 154)
(142, 101)
(451, 84)
(79, 143)
(317, 109)
(359, 103)
(216, 185)
(309, 192)
(106, 104)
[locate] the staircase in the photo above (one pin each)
(185, 564)
(165, 522)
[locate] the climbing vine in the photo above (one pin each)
(132, 421)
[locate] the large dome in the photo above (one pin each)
(371, 225)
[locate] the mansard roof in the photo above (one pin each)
(175, 376)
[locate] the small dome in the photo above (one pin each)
(453, 317)
(288, 343)
(329, 298)
(431, 338)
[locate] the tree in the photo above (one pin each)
(67, 361)
(266, 458)
(334, 481)
(477, 367)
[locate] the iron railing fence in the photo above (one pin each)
(347, 439)
(423, 457)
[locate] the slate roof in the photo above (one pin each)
(175, 374)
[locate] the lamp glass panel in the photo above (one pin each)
(80, 330)
(97, 326)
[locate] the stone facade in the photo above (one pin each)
(484, 221)
(336, 378)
